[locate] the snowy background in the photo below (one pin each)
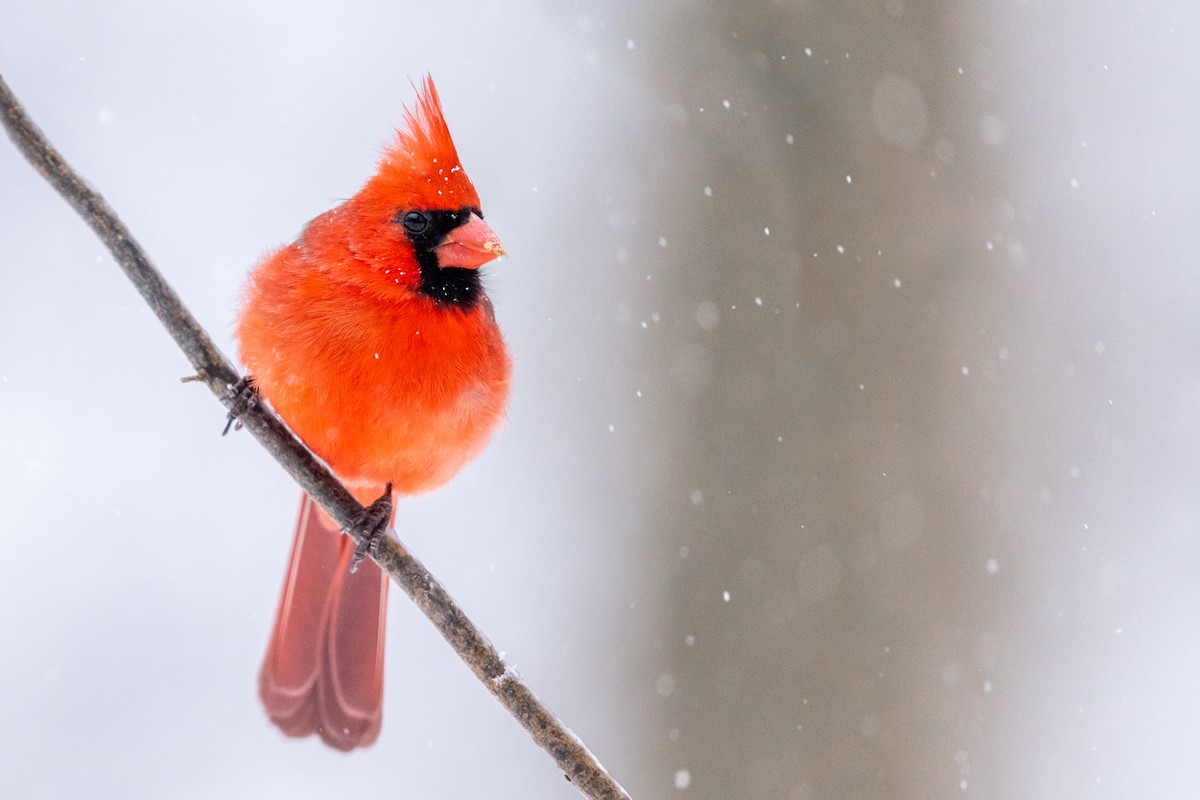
(854, 447)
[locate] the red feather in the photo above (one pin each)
(323, 672)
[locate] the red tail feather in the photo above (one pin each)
(323, 672)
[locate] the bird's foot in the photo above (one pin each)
(244, 397)
(371, 524)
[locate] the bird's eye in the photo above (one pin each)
(415, 222)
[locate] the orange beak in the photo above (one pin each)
(470, 245)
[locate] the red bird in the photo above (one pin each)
(372, 338)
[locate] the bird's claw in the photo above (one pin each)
(371, 525)
(245, 397)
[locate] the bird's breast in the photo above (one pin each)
(404, 395)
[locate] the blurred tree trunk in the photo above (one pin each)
(832, 283)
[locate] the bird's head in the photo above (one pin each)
(417, 224)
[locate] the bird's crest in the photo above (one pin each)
(421, 168)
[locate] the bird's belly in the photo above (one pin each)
(413, 434)
(421, 450)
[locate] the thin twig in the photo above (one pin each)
(219, 374)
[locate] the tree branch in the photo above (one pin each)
(219, 374)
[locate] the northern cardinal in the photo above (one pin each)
(372, 338)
